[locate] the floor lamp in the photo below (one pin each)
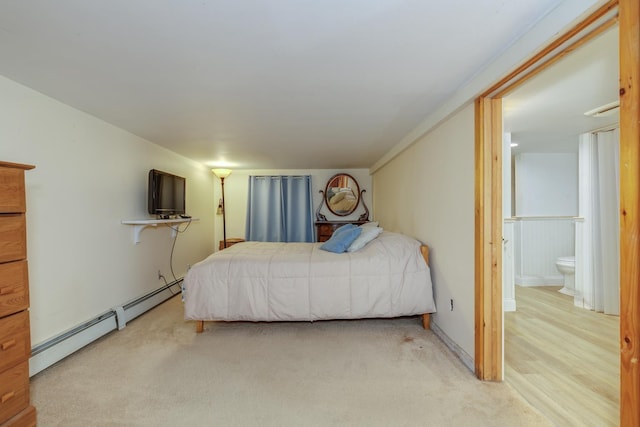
(222, 174)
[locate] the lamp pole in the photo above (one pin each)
(222, 174)
(224, 216)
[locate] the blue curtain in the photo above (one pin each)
(280, 209)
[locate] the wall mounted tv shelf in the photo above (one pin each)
(141, 224)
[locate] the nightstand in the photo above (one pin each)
(230, 242)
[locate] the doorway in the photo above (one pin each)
(488, 294)
(550, 219)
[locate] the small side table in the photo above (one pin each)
(230, 242)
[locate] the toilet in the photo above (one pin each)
(567, 266)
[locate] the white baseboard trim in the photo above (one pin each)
(64, 346)
(57, 348)
(539, 280)
(455, 348)
(509, 304)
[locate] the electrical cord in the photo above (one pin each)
(177, 230)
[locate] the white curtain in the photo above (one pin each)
(597, 255)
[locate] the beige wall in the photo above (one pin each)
(89, 176)
(424, 186)
(428, 192)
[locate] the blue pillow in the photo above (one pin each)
(344, 228)
(341, 239)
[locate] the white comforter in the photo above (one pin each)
(261, 281)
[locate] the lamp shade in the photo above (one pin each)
(221, 173)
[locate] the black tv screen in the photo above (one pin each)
(166, 195)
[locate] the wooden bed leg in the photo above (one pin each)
(426, 319)
(199, 326)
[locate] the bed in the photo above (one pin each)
(266, 281)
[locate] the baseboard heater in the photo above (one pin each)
(57, 348)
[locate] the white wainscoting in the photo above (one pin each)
(508, 276)
(539, 241)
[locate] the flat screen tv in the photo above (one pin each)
(166, 194)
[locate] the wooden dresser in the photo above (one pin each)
(324, 229)
(15, 336)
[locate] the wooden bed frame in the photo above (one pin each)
(426, 318)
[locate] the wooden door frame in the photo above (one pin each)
(488, 198)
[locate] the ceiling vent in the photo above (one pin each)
(604, 110)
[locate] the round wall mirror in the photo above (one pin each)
(342, 194)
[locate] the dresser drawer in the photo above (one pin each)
(14, 391)
(324, 232)
(26, 418)
(325, 229)
(14, 287)
(15, 342)
(12, 197)
(13, 237)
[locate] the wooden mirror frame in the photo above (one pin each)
(329, 195)
(358, 193)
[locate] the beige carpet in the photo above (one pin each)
(159, 372)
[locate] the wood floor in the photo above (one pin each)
(564, 360)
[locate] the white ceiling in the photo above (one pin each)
(259, 83)
(547, 113)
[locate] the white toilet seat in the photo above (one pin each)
(566, 260)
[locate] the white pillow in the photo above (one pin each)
(370, 224)
(368, 234)
(337, 198)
